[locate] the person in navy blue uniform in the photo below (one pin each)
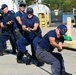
(18, 16)
(30, 26)
(7, 23)
(44, 53)
(2, 29)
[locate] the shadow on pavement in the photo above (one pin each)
(8, 51)
(45, 70)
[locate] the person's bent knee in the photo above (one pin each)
(18, 43)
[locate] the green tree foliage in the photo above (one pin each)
(28, 2)
(67, 6)
(53, 4)
(73, 2)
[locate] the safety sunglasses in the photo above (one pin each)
(22, 5)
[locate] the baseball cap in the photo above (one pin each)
(22, 4)
(3, 6)
(29, 10)
(63, 29)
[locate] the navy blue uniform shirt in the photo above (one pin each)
(18, 14)
(45, 44)
(30, 23)
(10, 15)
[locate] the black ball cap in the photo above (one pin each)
(29, 10)
(22, 4)
(3, 6)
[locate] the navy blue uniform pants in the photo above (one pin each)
(4, 37)
(23, 42)
(54, 59)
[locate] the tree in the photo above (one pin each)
(53, 4)
(46, 2)
(28, 2)
(73, 2)
(67, 7)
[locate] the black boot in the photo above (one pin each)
(13, 52)
(65, 73)
(28, 58)
(1, 52)
(5, 45)
(20, 57)
(39, 64)
(19, 61)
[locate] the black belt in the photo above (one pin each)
(44, 48)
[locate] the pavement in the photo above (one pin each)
(9, 66)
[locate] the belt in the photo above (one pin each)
(44, 48)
